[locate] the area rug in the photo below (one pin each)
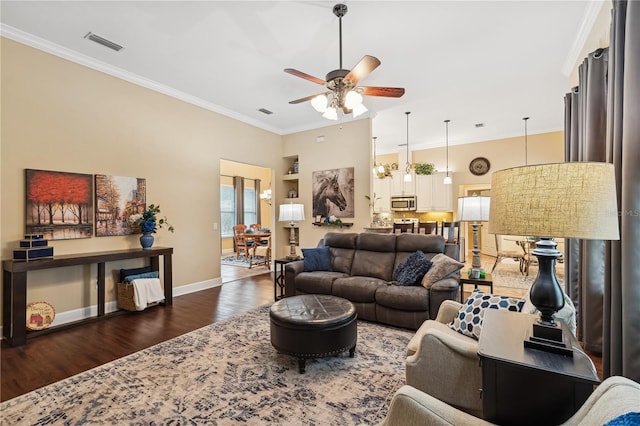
(240, 261)
(226, 374)
(507, 274)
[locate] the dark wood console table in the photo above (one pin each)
(14, 285)
(525, 386)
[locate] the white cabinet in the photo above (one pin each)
(399, 186)
(382, 189)
(432, 194)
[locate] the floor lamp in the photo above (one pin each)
(474, 209)
(292, 213)
(564, 200)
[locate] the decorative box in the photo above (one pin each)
(32, 253)
(33, 243)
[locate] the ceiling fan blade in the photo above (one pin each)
(391, 92)
(306, 98)
(305, 76)
(363, 68)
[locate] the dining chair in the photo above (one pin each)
(240, 241)
(403, 228)
(518, 255)
(451, 232)
(261, 253)
(430, 227)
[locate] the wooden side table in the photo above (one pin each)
(278, 277)
(487, 281)
(525, 386)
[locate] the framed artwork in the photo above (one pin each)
(59, 205)
(117, 198)
(333, 192)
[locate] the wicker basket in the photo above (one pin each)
(125, 297)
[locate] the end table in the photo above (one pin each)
(278, 277)
(487, 280)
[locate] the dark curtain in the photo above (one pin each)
(258, 205)
(238, 188)
(585, 124)
(621, 345)
(602, 123)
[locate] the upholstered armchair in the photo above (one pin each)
(445, 363)
(616, 396)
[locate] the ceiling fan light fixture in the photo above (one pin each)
(358, 110)
(331, 113)
(319, 103)
(352, 99)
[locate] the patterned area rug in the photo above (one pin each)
(226, 374)
(507, 274)
(241, 261)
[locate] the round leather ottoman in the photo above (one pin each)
(313, 326)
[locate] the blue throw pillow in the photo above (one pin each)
(152, 274)
(316, 259)
(124, 273)
(412, 270)
(627, 419)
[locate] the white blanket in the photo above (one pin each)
(145, 291)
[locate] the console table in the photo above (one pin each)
(525, 386)
(14, 285)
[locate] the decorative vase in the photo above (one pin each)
(146, 240)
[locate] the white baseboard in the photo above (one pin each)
(112, 306)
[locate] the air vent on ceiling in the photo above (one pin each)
(265, 111)
(103, 41)
(478, 125)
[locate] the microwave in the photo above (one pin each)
(405, 203)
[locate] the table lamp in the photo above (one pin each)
(292, 213)
(474, 209)
(564, 200)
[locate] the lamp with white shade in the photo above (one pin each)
(292, 213)
(564, 200)
(474, 209)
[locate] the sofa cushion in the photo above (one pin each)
(469, 318)
(373, 264)
(407, 298)
(316, 259)
(411, 271)
(342, 247)
(425, 243)
(372, 241)
(318, 282)
(357, 289)
(442, 266)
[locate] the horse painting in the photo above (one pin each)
(328, 196)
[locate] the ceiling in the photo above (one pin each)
(491, 62)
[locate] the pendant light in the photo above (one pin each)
(526, 160)
(375, 158)
(447, 179)
(407, 170)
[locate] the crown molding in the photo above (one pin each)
(84, 60)
(589, 18)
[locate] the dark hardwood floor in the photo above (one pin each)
(48, 358)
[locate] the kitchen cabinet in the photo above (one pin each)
(382, 189)
(399, 186)
(432, 194)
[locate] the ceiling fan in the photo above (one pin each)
(344, 91)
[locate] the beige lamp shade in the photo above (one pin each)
(474, 208)
(565, 200)
(291, 212)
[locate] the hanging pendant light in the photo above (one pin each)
(375, 159)
(407, 170)
(447, 179)
(526, 149)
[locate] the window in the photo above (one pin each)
(250, 205)
(227, 206)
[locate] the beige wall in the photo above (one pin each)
(57, 115)
(345, 145)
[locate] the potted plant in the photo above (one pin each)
(425, 168)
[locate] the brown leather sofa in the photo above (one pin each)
(362, 269)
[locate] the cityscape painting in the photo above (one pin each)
(117, 198)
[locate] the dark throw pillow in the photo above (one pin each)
(412, 270)
(469, 318)
(316, 259)
(124, 273)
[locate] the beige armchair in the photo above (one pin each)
(445, 363)
(410, 407)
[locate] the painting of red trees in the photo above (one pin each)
(59, 205)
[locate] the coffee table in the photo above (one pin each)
(313, 326)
